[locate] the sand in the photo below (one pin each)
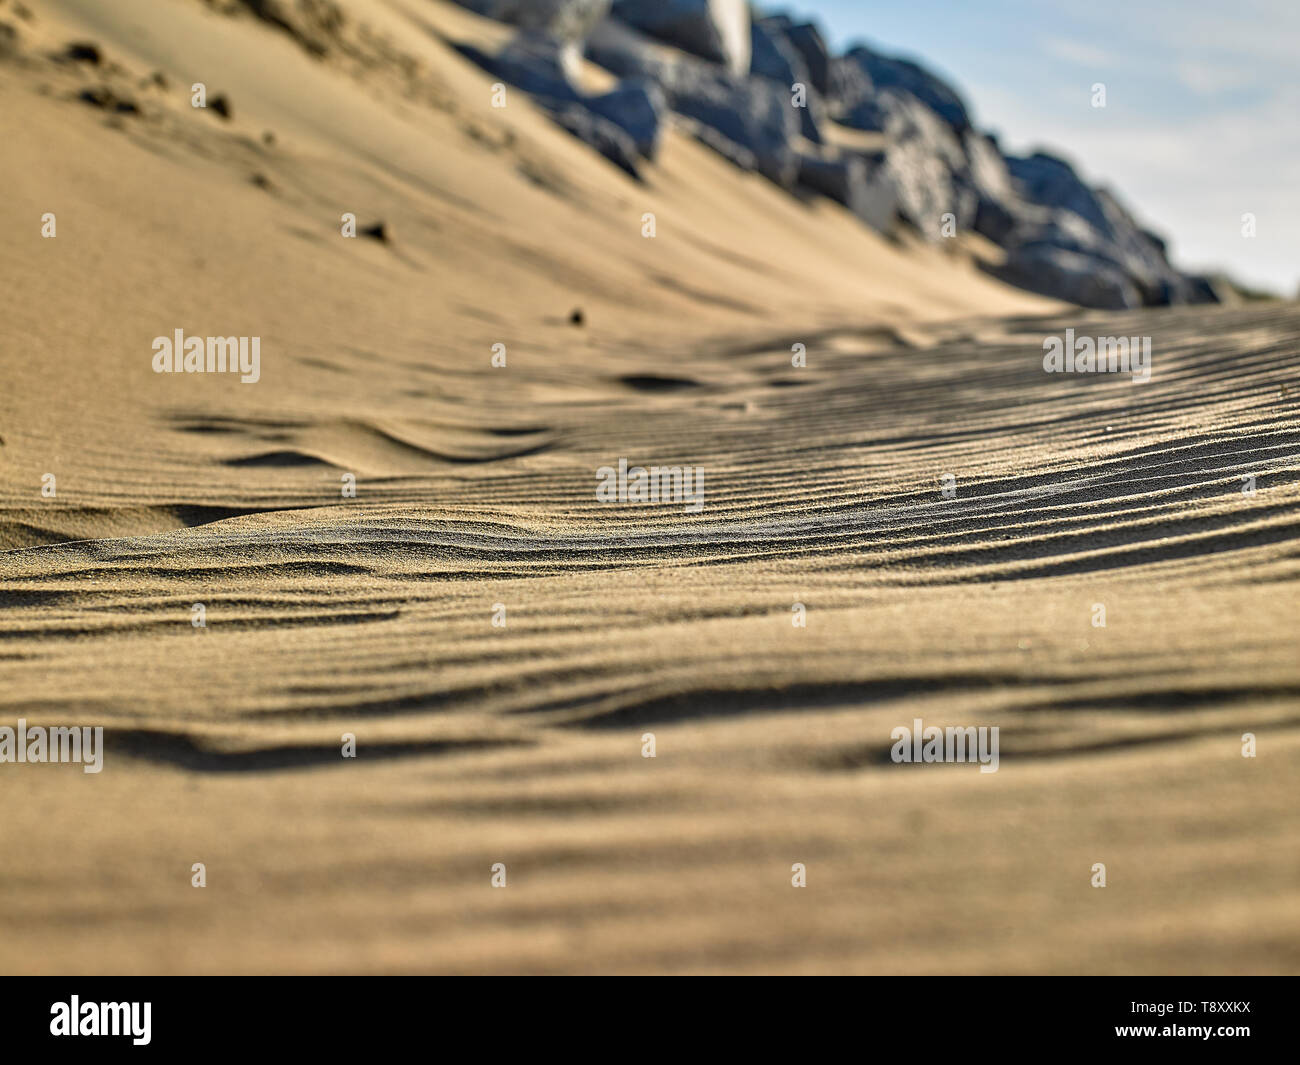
(522, 743)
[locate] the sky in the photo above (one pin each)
(1202, 118)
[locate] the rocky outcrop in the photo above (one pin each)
(566, 20)
(623, 125)
(637, 107)
(755, 114)
(773, 56)
(866, 189)
(1068, 275)
(807, 40)
(533, 63)
(766, 94)
(717, 30)
(887, 72)
(776, 59)
(1053, 208)
(924, 158)
(609, 139)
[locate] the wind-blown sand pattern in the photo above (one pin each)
(475, 486)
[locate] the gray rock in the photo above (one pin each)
(994, 220)
(534, 63)
(622, 125)
(610, 140)
(566, 20)
(636, 106)
(887, 72)
(986, 169)
(987, 175)
(868, 191)
(556, 26)
(807, 41)
(1201, 289)
(811, 117)
(773, 56)
(924, 158)
(717, 30)
(849, 85)
(1059, 210)
(1044, 179)
(628, 54)
(741, 158)
(1068, 275)
(753, 114)
(569, 20)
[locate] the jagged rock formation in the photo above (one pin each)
(765, 92)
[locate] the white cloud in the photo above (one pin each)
(1078, 53)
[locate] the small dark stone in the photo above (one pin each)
(577, 317)
(268, 137)
(221, 106)
(84, 52)
(379, 231)
(105, 99)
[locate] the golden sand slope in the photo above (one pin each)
(522, 744)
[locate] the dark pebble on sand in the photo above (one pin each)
(84, 52)
(105, 99)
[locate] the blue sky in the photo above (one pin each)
(1202, 116)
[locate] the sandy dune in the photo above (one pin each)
(476, 485)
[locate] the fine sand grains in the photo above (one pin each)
(499, 643)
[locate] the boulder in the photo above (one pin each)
(753, 114)
(1051, 182)
(636, 106)
(623, 124)
(807, 40)
(567, 20)
(629, 54)
(987, 175)
(741, 158)
(1201, 289)
(924, 158)
(887, 72)
(773, 56)
(866, 190)
(1059, 210)
(536, 64)
(717, 30)
(1068, 275)
(849, 85)
(557, 26)
(986, 169)
(611, 141)
(994, 220)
